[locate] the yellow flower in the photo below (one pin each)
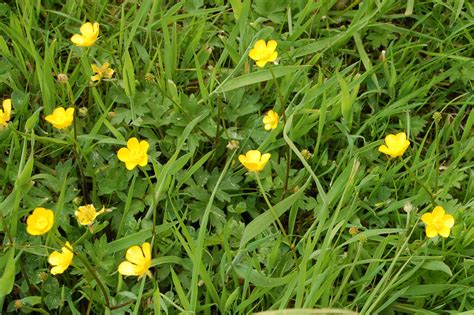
(263, 52)
(61, 118)
(5, 112)
(270, 120)
(437, 222)
(102, 72)
(254, 161)
(138, 261)
(134, 154)
(40, 221)
(89, 32)
(86, 215)
(61, 261)
(395, 145)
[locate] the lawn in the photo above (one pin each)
(235, 157)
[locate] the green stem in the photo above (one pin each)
(283, 113)
(276, 218)
(436, 156)
(127, 203)
(89, 268)
(153, 228)
(75, 147)
(432, 196)
(280, 94)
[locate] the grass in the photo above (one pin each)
(348, 73)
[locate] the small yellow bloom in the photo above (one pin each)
(263, 52)
(102, 72)
(86, 215)
(61, 261)
(438, 222)
(254, 161)
(40, 221)
(395, 145)
(134, 154)
(270, 120)
(5, 112)
(89, 32)
(138, 261)
(61, 118)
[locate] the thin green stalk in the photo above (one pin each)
(75, 147)
(280, 94)
(139, 298)
(348, 274)
(432, 196)
(285, 235)
(89, 268)
(153, 227)
(436, 155)
(283, 113)
(127, 204)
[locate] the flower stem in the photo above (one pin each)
(88, 267)
(432, 196)
(280, 94)
(75, 146)
(283, 114)
(276, 216)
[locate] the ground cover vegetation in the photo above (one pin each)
(230, 157)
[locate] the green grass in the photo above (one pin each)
(348, 74)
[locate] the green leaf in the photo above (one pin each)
(260, 223)
(257, 77)
(128, 76)
(258, 279)
(437, 265)
(8, 276)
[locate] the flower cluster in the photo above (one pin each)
(138, 259)
(42, 220)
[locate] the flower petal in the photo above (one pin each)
(271, 45)
(384, 149)
(95, 27)
(70, 112)
(146, 247)
(7, 107)
(87, 29)
(144, 160)
(431, 232)
(444, 231)
(438, 212)
(262, 63)
(123, 154)
(96, 77)
(253, 156)
(260, 45)
(255, 54)
(427, 218)
(127, 269)
(448, 220)
(77, 39)
(391, 141)
(130, 165)
(144, 146)
(57, 270)
(273, 56)
(55, 258)
(133, 145)
(135, 255)
(265, 157)
(401, 137)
